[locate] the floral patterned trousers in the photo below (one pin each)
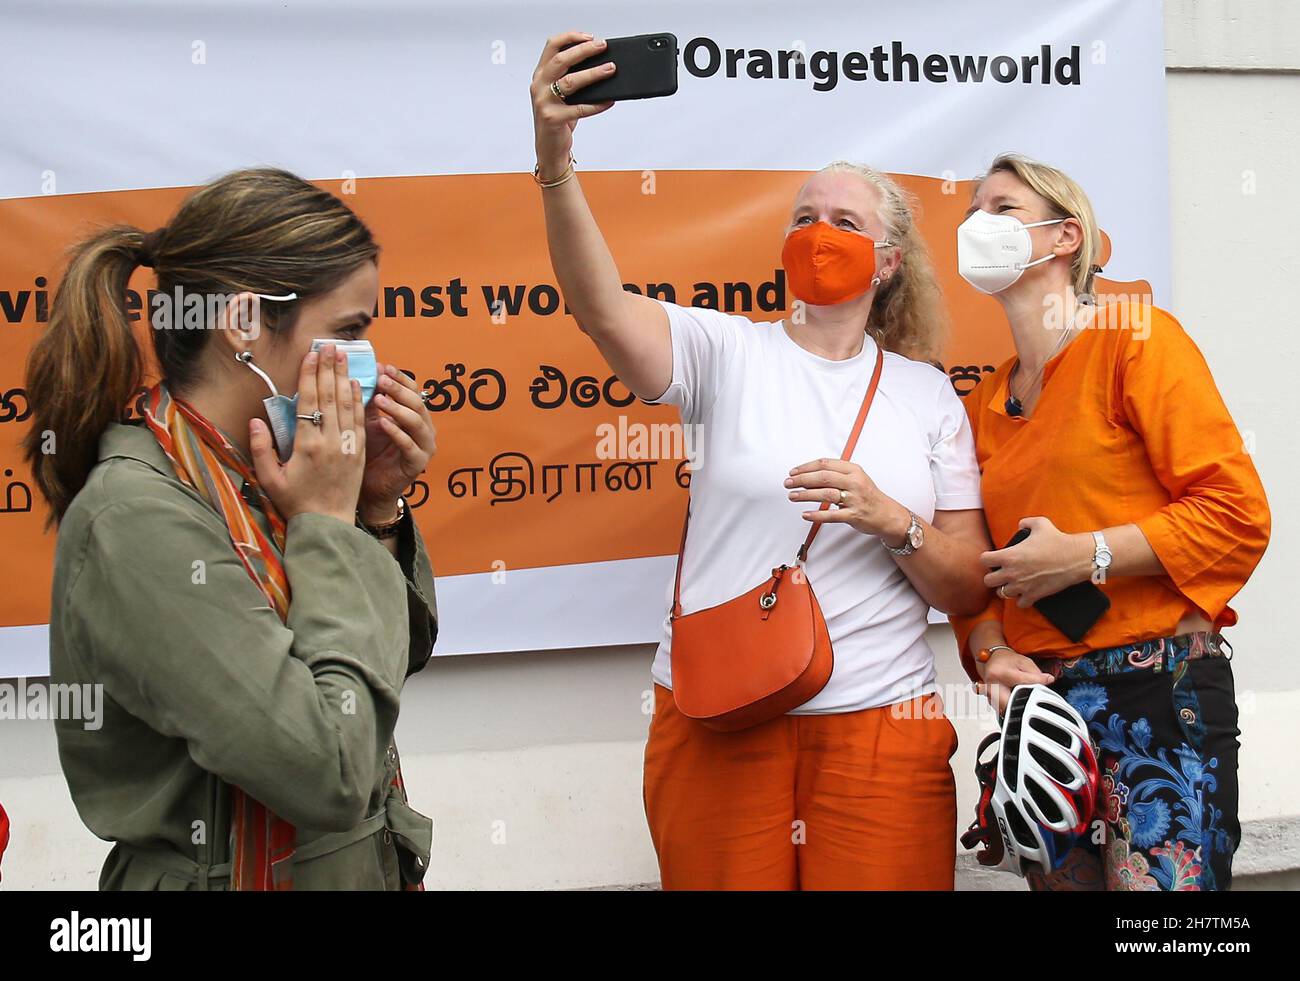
(1163, 716)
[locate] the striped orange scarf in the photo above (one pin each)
(261, 844)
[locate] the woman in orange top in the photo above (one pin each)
(1107, 439)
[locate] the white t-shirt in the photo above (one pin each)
(760, 405)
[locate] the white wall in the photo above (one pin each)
(547, 747)
(1234, 134)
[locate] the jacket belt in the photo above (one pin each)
(167, 859)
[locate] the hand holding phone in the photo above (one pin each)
(645, 67)
(1074, 610)
(554, 83)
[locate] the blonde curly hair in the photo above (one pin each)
(908, 315)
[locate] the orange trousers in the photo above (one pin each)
(856, 800)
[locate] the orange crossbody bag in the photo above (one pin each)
(761, 654)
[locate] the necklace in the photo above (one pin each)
(1016, 407)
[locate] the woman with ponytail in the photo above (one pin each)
(851, 789)
(237, 569)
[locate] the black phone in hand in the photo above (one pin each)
(646, 68)
(1075, 609)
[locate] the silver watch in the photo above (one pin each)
(912, 540)
(1101, 557)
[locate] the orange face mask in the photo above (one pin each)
(827, 265)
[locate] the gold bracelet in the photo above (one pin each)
(389, 528)
(567, 175)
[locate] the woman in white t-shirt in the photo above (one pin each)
(853, 789)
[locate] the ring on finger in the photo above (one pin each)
(1002, 592)
(844, 497)
(316, 418)
(555, 91)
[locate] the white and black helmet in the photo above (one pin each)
(1038, 792)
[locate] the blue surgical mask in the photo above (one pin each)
(362, 366)
(282, 410)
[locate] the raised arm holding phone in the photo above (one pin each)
(863, 761)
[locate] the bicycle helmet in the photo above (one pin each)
(1038, 792)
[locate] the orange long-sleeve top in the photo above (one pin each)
(1129, 428)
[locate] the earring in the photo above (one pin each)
(875, 282)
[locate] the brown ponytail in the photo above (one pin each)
(259, 231)
(86, 365)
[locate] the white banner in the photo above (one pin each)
(424, 106)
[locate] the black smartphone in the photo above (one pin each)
(646, 69)
(1073, 610)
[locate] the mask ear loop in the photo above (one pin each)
(1050, 255)
(281, 428)
(246, 357)
(1037, 262)
(886, 244)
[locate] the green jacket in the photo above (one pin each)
(204, 686)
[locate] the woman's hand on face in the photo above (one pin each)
(858, 501)
(1002, 672)
(323, 474)
(554, 120)
(400, 441)
(1044, 563)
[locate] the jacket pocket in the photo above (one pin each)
(412, 834)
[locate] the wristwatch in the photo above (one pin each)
(1101, 557)
(390, 528)
(912, 540)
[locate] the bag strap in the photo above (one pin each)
(812, 532)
